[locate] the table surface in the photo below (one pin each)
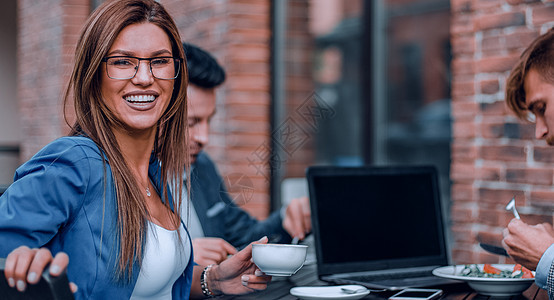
(280, 287)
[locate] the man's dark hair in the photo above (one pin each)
(204, 71)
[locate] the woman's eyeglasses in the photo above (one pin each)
(126, 67)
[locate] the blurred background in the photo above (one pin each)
(312, 82)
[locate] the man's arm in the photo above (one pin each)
(544, 268)
(533, 247)
(525, 243)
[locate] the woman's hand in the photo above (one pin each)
(238, 275)
(210, 250)
(25, 266)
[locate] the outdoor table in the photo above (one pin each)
(280, 287)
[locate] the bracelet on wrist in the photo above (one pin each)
(204, 282)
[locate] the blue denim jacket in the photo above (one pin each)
(64, 199)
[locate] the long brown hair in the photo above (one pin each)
(94, 120)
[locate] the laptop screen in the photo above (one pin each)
(375, 218)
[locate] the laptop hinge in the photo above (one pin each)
(384, 272)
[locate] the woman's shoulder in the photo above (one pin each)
(76, 147)
(63, 154)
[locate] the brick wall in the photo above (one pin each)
(47, 33)
(494, 155)
(237, 33)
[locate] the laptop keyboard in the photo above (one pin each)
(386, 276)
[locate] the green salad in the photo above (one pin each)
(489, 271)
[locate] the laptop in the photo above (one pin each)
(381, 227)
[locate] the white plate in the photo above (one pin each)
(328, 292)
(488, 286)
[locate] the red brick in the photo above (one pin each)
(233, 97)
(463, 130)
(462, 24)
(464, 109)
(462, 234)
(247, 112)
(496, 64)
(499, 197)
(489, 258)
(533, 219)
(248, 82)
(503, 153)
(542, 14)
(491, 237)
(488, 217)
(491, 86)
(518, 2)
(461, 214)
(492, 44)
(248, 67)
(461, 6)
(492, 130)
(542, 198)
(463, 254)
(530, 175)
(463, 45)
(487, 5)
(462, 171)
(461, 193)
(500, 20)
(520, 131)
(463, 66)
(488, 173)
(463, 88)
(520, 39)
(543, 154)
(463, 152)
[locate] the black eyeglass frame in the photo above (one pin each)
(176, 60)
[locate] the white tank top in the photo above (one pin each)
(164, 261)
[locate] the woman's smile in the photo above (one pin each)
(141, 100)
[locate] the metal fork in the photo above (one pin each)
(512, 206)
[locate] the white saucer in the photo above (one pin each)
(328, 292)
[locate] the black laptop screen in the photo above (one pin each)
(377, 215)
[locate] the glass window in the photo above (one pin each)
(360, 82)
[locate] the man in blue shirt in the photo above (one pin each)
(217, 225)
(530, 95)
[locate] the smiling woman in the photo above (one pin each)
(125, 78)
(99, 197)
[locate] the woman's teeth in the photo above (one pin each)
(140, 99)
